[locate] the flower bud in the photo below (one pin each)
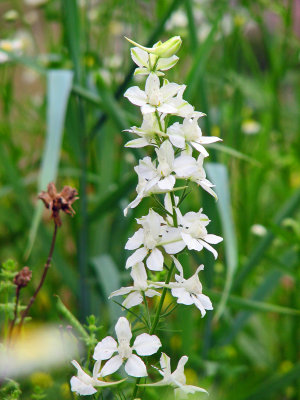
(165, 50)
(23, 277)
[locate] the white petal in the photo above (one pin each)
(146, 345)
(139, 56)
(152, 84)
(135, 366)
(185, 166)
(112, 365)
(152, 293)
(123, 330)
(192, 243)
(167, 109)
(133, 299)
(155, 261)
(183, 296)
(105, 349)
(81, 388)
(121, 291)
(165, 364)
(136, 240)
(136, 96)
(178, 265)
(177, 141)
(139, 275)
(209, 139)
(166, 63)
(169, 90)
(136, 143)
(213, 239)
(136, 257)
(200, 148)
(147, 109)
(205, 300)
(167, 183)
(210, 248)
(174, 248)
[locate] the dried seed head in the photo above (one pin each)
(23, 277)
(59, 201)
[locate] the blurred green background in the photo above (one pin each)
(64, 67)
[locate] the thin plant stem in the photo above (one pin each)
(46, 268)
(12, 324)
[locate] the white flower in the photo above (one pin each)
(190, 132)
(175, 379)
(183, 108)
(154, 179)
(144, 345)
(84, 385)
(191, 232)
(148, 63)
(155, 98)
(145, 241)
(14, 46)
(148, 132)
(140, 285)
(185, 166)
(189, 291)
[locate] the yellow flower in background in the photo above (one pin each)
(41, 379)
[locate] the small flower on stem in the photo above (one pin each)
(156, 98)
(189, 291)
(176, 379)
(140, 286)
(144, 345)
(84, 384)
(145, 240)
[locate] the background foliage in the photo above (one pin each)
(62, 117)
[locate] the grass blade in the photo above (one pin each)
(109, 280)
(219, 176)
(59, 83)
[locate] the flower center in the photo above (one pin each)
(124, 349)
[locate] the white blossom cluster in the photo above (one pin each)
(179, 153)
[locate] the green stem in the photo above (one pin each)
(158, 120)
(163, 295)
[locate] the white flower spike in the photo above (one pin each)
(176, 379)
(144, 345)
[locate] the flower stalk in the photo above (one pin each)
(179, 154)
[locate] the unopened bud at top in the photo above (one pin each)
(165, 49)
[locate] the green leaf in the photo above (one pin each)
(253, 305)
(109, 279)
(71, 318)
(59, 83)
(219, 176)
(255, 257)
(270, 388)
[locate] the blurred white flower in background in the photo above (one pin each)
(36, 348)
(250, 127)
